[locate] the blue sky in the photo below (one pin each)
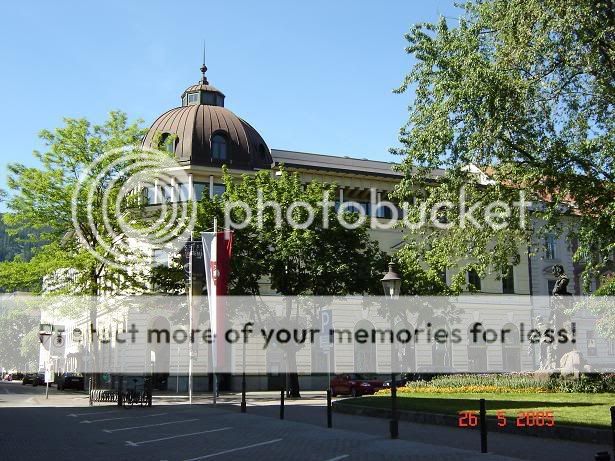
(311, 76)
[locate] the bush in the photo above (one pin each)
(511, 383)
(475, 389)
(587, 383)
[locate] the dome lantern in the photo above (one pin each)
(203, 93)
(203, 132)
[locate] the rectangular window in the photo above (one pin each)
(193, 98)
(384, 212)
(150, 195)
(592, 350)
(168, 194)
(160, 258)
(550, 247)
(474, 279)
(209, 98)
(183, 192)
(508, 282)
(219, 189)
(200, 188)
(364, 208)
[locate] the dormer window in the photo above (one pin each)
(209, 98)
(168, 142)
(193, 98)
(218, 147)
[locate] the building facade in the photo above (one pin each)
(204, 136)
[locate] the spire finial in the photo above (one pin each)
(204, 68)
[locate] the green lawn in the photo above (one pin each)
(575, 409)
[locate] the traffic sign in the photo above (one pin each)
(58, 345)
(77, 334)
(326, 328)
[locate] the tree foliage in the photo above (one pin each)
(40, 203)
(523, 90)
(317, 259)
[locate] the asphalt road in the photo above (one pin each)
(64, 427)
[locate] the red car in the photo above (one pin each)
(354, 384)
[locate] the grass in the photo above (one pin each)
(568, 408)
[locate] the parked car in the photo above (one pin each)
(354, 384)
(71, 381)
(33, 378)
(399, 382)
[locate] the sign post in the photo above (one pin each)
(326, 333)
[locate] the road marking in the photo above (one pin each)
(136, 444)
(89, 421)
(109, 431)
(337, 458)
(76, 415)
(232, 450)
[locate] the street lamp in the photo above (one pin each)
(391, 283)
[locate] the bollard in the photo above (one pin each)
(394, 423)
(243, 393)
(150, 391)
(282, 404)
(483, 426)
(90, 390)
(602, 456)
(329, 410)
(120, 397)
(613, 428)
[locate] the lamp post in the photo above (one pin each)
(391, 283)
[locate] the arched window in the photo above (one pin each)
(441, 351)
(364, 353)
(218, 147)
(511, 349)
(406, 354)
(477, 350)
(169, 142)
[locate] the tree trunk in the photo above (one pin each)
(292, 384)
(293, 378)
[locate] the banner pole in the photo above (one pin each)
(190, 307)
(215, 327)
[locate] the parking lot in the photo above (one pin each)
(190, 433)
(65, 427)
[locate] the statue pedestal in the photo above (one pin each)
(545, 375)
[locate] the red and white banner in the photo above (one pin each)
(217, 249)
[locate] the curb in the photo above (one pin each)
(563, 432)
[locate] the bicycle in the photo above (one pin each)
(133, 397)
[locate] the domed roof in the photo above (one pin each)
(195, 127)
(206, 133)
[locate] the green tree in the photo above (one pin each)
(17, 351)
(311, 259)
(48, 201)
(524, 91)
(61, 202)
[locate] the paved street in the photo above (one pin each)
(65, 427)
